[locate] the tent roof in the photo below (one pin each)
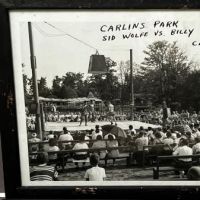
(70, 100)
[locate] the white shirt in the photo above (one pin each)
(196, 148)
(111, 108)
(95, 174)
(50, 136)
(106, 136)
(133, 131)
(78, 146)
(167, 141)
(52, 156)
(65, 137)
(94, 134)
(198, 134)
(34, 140)
(141, 142)
(183, 151)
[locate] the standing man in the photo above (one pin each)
(165, 114)
(91, 111)
(111, 112)
(84, 114)
(53, 108)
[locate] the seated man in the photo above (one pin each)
(183, 164)
(80, 157)
(95, 173)
(43, 172)
(65, 137)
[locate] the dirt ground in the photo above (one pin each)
(118, 172)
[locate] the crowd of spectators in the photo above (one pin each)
(151, 117)
(173, 142)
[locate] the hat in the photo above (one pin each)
(34, 134)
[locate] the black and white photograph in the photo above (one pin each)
(107, 97)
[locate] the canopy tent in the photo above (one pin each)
(70, 100)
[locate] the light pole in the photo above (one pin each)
(35, 84)
(131, 80)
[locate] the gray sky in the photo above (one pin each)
(60, 54)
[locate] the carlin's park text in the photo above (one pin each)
(143, 30)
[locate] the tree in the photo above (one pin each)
(67, 92)
(105, 86)
(56, 87)
(189, 92)
(165, 67)
(43, 90)
(72, 79)
(124, 80)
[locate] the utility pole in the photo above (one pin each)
(35, 85)
(131, 79)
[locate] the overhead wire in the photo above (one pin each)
(75, 38)
(46, 34)
(66, 34)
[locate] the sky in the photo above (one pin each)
(58, 54)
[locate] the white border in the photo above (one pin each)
(2, 195)
(70, 15)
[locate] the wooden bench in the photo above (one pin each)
(70, 141)
(65, 155)
(158, 168)
(150, 152)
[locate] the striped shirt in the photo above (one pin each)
(43, 173)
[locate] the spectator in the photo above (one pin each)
(112, 143)
(45, 145)
(183, 163)
(131, 132)
(140, 142)
(190, 137)
(52, 147)
(31, 125)
(100, 144)
(33, 157)
(51, 135)
(161, 132)
(80, 157)
(66, 137)
(196, 147)
(107, 135)
(96, 132)
(95, 173)
(33, 140)
(42, 172)
(150, 132)
(158, 138)
(168, 142)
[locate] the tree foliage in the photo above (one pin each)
(43, 90)
(165, 68)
